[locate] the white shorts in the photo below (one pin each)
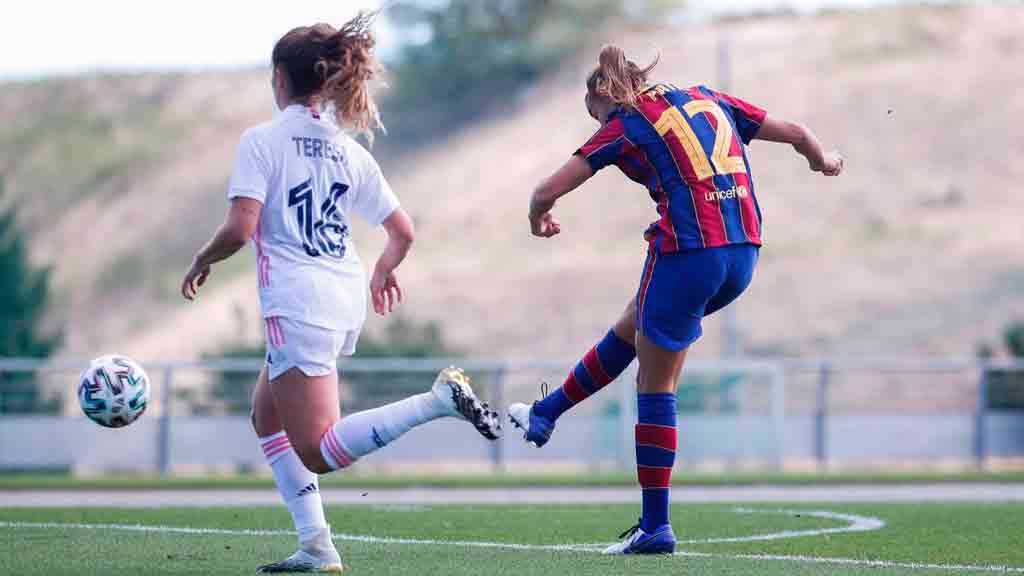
(311, 349)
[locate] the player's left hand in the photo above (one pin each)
(194, 278)
(544, 225)
(385, 292)
(833, 164)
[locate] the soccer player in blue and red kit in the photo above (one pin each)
(686, 147)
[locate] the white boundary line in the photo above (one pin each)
(856, 524)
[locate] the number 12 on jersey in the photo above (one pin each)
(719, 162)
(323, 232)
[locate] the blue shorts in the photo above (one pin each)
(678, 290)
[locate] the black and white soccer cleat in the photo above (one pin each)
(453, 390)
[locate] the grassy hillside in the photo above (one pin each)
(918, 248)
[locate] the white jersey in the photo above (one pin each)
(311, 177)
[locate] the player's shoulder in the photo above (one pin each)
(259, 135)
(346, 142)
(261, 130)
(699, 91)
(706, 92)
(355, 153)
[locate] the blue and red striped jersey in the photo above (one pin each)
(687, 148)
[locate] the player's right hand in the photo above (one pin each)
(385, 292)
(832, 164)
(194, 278)
(545, 225)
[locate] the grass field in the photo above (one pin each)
(522, 540)
(16, 481)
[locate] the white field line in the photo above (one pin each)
(857, 524)
(959, 568)
(156, 528)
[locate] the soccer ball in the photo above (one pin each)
(113, 391)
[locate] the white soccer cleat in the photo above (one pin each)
(536, 429)
(519, 414)
(453, 391)
(303, 562)
(662, 541)
(317, 556)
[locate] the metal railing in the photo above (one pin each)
(738, 412)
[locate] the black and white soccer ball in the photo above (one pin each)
(113, 391)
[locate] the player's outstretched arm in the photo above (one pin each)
(239, 225)
(804, 142)
(384, 288)
(570, 176)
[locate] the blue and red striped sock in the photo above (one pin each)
(599, 366)
(655, 455)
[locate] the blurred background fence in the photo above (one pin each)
(735, 414)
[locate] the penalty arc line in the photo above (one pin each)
(857, 524)
(854, 524)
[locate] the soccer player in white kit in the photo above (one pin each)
(296, 183)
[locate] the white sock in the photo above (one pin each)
(299, 487)
(357, 435)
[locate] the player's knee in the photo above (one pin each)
(625, 326)
(625, 329)
(311, 457)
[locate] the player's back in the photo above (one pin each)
(693, 140)
(314, 178)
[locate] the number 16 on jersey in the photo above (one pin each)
(323, 233)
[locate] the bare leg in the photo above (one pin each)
(659, 367)
(307, 406)
(264, 413)
(625, 326)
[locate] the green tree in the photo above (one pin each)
(1013, 338)
(1006, 387)
(23, 308)
(462, 59)
(404, 338)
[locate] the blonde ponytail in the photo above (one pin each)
(348, 67)
(617, 78)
